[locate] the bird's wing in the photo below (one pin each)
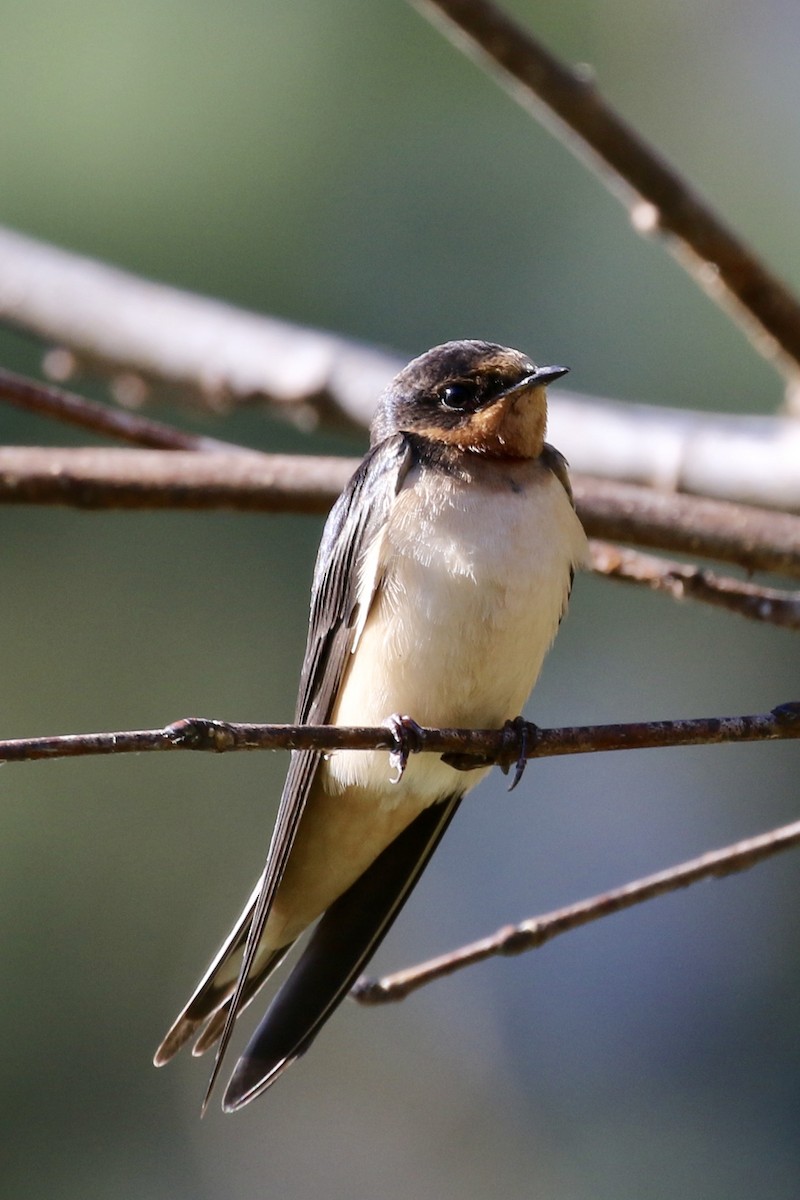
(554, 461)
(338, 593)
(342, 943)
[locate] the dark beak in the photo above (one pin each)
(544, 375)
(538, 378)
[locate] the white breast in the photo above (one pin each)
(471, 584)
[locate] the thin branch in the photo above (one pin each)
(504, 746)
(684, 581)
(127, 327)
(756, 539)
(46, 400)
(658, 199)
(529, 935)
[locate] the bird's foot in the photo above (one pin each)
(518, 736)
(406, 734)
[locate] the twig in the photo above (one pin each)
(657, 197)
(144, 479)
(735, 533)
(684, 581)
(488, 745)
(529, 935)
(224, 356)
(47, 400)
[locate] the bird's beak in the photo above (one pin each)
(538, 378)
(544, 375)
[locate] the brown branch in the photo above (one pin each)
(754, 538)
(144, 479)
(657, 197)
(46, 400)
(685, 581)
(529, 935)
(156, 479)
(679, 580)
(504, 746)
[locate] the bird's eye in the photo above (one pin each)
(457, 395)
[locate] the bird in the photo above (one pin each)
(443, 573)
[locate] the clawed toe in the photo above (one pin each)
(517, 735)
(406, 733)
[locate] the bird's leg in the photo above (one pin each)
(406, 734)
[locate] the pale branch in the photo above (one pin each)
(465, 748)
(122, 325)
(533, 933)
(750, 459)
(757, 539)
(658, 198)
(118, 324)
(685, 581)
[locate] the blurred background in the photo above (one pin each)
(342, 166)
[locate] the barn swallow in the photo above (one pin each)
(443, 573)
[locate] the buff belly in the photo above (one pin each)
(460, 602)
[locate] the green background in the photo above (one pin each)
(341, 165)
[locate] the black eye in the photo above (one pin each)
(457, 395)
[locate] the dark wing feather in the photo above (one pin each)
(342, 943)
(554, 460)
(356, 518)
(214, 991)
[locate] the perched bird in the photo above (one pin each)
(444, 570)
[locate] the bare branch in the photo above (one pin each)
(504, 746)
(750, 459)
(154, 479)
(684, 581)
(125, 326)
(754, 538)
(757, 539)
(529, 935)
(658, 199)
(116, 323)
(48, 401)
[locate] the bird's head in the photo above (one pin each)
(473, 396)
